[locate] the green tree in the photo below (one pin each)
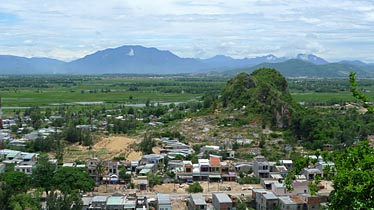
(70, 201)
(42, 174)
(354, 183)
(194, 188)
(16, 181)
(153, 180)
(241, 206)
(69, 179)
(30, 201)
(124, 176)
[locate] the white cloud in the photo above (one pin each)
(240, 28)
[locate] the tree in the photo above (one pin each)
(124, 176)
(194, 188)
(16, 181)
(69, 179)
(70, 201)
(154, 179)
(354, 183)
(42, 174)
(241, 206)
(30, 201)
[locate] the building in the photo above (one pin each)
(291, 203)
(151, 159)
(98, 202)
(266, 201)
(221, 201)
(261, 167)
(163, 202)
(214, 169)
(196, 202)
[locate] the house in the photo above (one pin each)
(112, 167)
(26, 169)
(310, 173)
(142, 183)
(230, 154)
(221, 201)
(261, 167)
(214, 169)
(312, 202)
(203, 170)
(291, 203)
(151, 159)
(299, 187)
(163, 202)
(92, 165)
(185, 174)
(282, 170)
(196, 202)
(86, 202)
(228, 172)
(266, 201)
(287, 163)
(116, 202)
(243, 167)
(99, 202)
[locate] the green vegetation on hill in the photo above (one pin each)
(264, 92)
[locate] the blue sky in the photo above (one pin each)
(66, 30)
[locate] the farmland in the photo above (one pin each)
(52, 90)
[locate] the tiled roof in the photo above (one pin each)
(214, 161)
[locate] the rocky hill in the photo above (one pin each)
(264, 92)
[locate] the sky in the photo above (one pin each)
(70, 29)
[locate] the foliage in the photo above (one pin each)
(354, 183)
(147, 144)
(249, 180)
(42, 174)
(69, 179)
(124, 176)
(70, 201)
(153, 180)
(358, 94)
(30, 201)
(194, 188)
(16, 181)
(265, 91)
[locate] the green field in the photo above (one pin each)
(27, 91)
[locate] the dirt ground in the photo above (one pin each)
(106, 148)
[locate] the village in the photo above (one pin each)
(226, 181)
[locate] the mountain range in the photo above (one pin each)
(142, 60)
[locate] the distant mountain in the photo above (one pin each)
(301, 68)
(312, 59)
(354, 62)
(143, 60)
(133, 59)
(20, 65)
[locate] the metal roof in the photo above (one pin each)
(222, 197)
(116, 201)
(99, 198)
(163, 198)
(198, 199)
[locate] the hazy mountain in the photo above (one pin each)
(224, 62)
(142, 60)
(20, 65)
(134, 59)
(301, 68)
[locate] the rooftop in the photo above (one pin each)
(286, 200)
(116, 200)
(270, 196)
(163, 198)
(99, 198)
(222, 197)
(214, 161)
(198, 199)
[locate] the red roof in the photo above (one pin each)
(215, 161)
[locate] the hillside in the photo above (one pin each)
(264, 92)
(301, 68)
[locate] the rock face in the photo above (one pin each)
(263, 92)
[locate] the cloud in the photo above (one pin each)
(190, 28)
